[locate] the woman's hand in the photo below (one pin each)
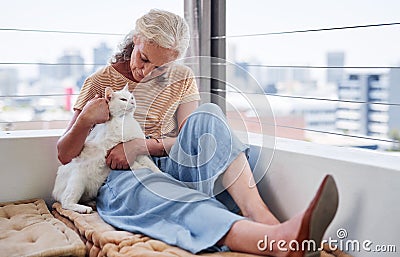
(95, 111)
(71, 143)
(122, 155)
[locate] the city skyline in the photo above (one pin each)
(290, 81)
(375, 46)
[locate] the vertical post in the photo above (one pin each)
(206, 20)
(218, 53)
(198, 16)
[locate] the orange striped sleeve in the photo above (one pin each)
(96, 84)
(87, 93)
(191, 92)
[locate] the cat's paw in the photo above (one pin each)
(79, 208)
(84, 209)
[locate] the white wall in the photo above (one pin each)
(29, 164)
(369, 182)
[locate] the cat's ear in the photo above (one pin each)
(108, 93)
(126, 88)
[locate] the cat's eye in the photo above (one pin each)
(123, 99)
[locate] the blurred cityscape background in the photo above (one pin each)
(301, 102)
(46, 101)
(347, 108)
(338, 99)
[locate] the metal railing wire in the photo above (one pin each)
(309, 30)
(50, 64)
(312, 98)
(249, 65)
(38, 95)
(320, 131)
(62, 32)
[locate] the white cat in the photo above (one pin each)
(80, 179)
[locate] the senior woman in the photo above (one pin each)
(180, 205)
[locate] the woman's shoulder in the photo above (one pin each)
(99, 74)
(178, 69)
(108, 75)
(104, 72)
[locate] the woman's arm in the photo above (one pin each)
(183, 112)
(71, 143)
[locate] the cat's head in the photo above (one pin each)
(120, 102)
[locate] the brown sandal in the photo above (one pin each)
(317, 218)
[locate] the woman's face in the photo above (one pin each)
(147, 59)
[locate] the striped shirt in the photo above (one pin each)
(157, 100)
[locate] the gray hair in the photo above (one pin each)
(163, 28)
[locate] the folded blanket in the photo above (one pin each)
(101, 239)
(28, 229)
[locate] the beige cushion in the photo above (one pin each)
(103, 240)
(28, 229)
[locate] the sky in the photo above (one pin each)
(363, 47)
(70, 15)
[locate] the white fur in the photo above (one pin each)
(80, 179)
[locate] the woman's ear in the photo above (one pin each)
(135, 39)
(108, 93)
